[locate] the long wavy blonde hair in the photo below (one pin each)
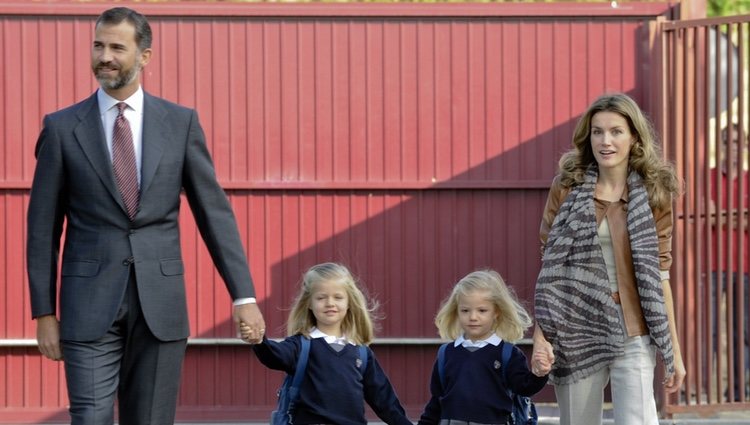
(358, 324)
(512, 319)
(658, 175)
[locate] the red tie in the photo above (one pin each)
(123, 162)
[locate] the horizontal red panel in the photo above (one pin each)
(234, 9)
(292, 103)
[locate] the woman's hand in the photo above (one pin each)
(674, 382)
(540, 363)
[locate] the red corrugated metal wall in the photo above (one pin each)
(414, 143)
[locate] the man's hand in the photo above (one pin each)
(48, 336)
(249, 321)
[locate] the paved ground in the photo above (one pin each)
(548, 416)
(554, 421)
(724, 419)
(547, 420)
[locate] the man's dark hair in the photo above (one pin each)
(116, 15)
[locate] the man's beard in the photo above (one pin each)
(123, 78)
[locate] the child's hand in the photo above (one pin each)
(543, 357)
(245, 331)
(541, 364)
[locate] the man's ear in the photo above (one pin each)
(145, 57)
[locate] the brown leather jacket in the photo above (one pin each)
(616, 213)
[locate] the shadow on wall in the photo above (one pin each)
(407, 246)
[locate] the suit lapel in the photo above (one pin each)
(155, 134)
(90, 136)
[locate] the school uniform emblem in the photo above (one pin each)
(358, 363)
(497, 364)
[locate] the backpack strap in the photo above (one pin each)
(299, 372)
(505, 358)
(441, 363)
(363, 356)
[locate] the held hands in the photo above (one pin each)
(248, 334)
(250, 323)
(48, 337)
(541, 364)
(542, 357)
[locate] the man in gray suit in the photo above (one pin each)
(110, 171)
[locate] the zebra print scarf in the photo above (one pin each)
(573, 303)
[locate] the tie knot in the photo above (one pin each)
(121, 106)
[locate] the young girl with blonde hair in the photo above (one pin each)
(333, 313)
(480, 315)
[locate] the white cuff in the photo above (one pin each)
(241, 301)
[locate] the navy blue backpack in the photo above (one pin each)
(523, 411)
(289, 391)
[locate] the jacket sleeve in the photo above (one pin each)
(663, 220)
(45, 217)
(557, 194)
(519, 377)
(381, 396)
(279, 355)
(432, 410)
(214, 215)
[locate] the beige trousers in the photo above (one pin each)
(632, 385)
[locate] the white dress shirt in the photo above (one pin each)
(331, 339)
(494, 339)
(134, 115)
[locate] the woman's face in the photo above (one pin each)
(611, 140)
(477, 315)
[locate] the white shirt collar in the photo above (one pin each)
(317, 333)
(106, 102)
(494, 339)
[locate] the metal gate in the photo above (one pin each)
(703, 119)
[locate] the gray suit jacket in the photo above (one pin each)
(74, 183)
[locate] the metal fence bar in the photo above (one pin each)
(704, 103)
